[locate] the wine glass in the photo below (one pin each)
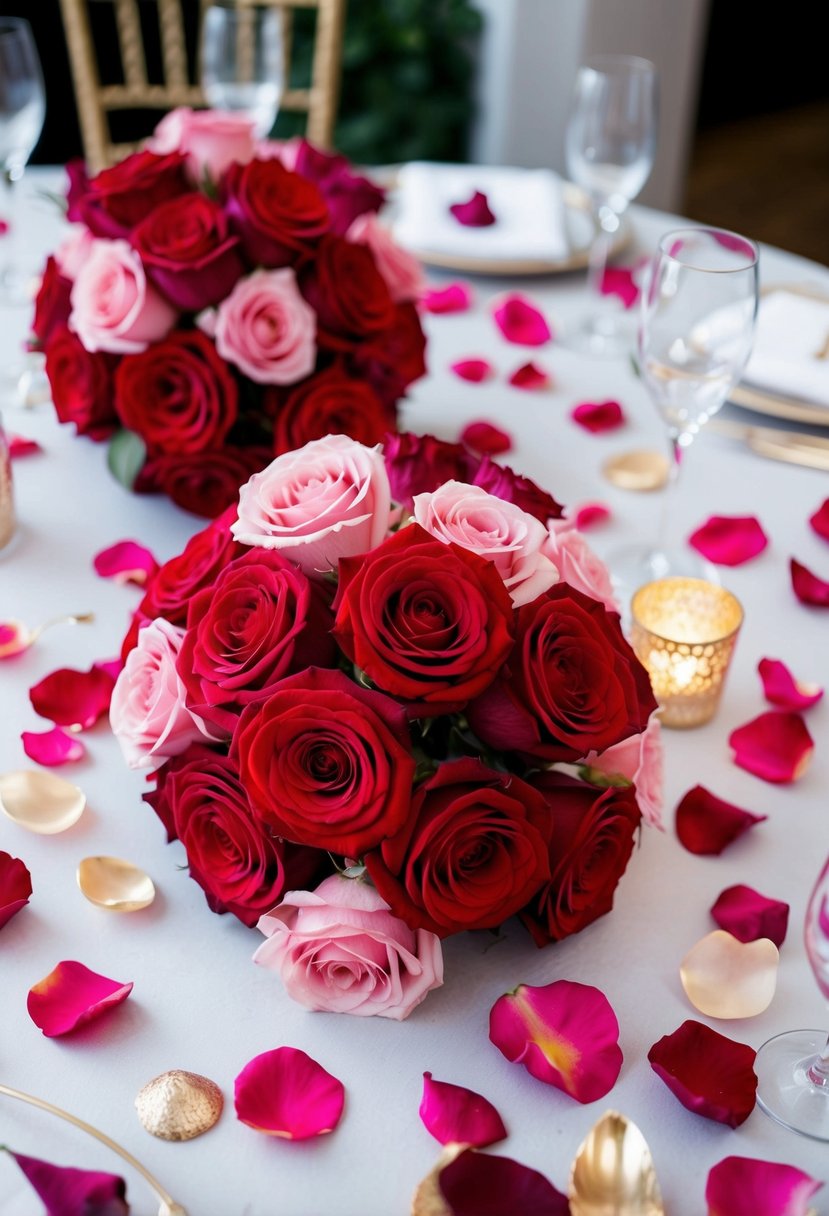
(793, 1068)
(22, 111)
(610, 144)
(242, 64)
(696, 327)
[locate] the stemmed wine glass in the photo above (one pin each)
(242, 66)
(610, 144)
(793, 1068)
(22, 111)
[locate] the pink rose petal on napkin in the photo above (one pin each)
(475, 213)
(780, 687)
(590, 515)
(748, 915)
(480, 1184)
(67, 1191)
(808, 588)
(485, 439)
(126, 562)
(521, 322)
(71, 995)
(729, 540)
(599, 416)
(455, 297)
(744, 1186)
(52, 747)
(19, 446)
(15, 887)
(706, 824)
(530, 376)
(774, 746)
(287, 1094)
(454, 1114)
(73, 698)
(619, 281)
(473, 370)
(565, 1034)
(820, 520)
(709, 1073)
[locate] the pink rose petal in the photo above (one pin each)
(455, 297)
(485, 439)
(4, 226)
(67, 1191)
(530, 376)
(729, 540)
(710, 1074)
(619, 281)
(473, 370)
(780, 687)
(285, 1093)
(19, 446)
(521, 322)
(744, 1186)
(706, 824)
(73, 698)
(599, 416)
(15, 887)
(52, 747)
(479, 1184)
(820, 520)
(126, 562)
(748, 915)
(774, 746)
(591, 514)
(475, 213)
(72, 995)
(565, 1034)
(15, 637)
(454, 1114)
(808, 588)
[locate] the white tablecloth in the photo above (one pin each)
(200, 1004)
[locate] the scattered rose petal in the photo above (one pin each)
(780, 687)
(485, 439)
(710, 1074)
(724, 978)
(565, 1034)
(480, 1184)
(71, 995)
(285, 1093)
(473, 370)
(706, 824)
(530, 376)
(620, 281)
(455, 297)
(67, 1191)
(52, 747)
(748, 915)
(15, 887)
(774, 746)
(16, 637)
(73, 698)
(453, 1114)
(475, 213)
(590, 515)
(4, 226)
(110, 667)
(521, 322)
(19, 446)
(729, 540)
(599, 416)
(126, 562)
(820, 520)
(808, 588)
(743, 1186)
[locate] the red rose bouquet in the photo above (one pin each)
(221, 302)
(384, 699)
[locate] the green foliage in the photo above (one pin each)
(125, 457)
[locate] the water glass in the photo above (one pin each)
(242, 63)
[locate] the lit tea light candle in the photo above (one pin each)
(684, 631)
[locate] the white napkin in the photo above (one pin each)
(527, 204)
(791, 330)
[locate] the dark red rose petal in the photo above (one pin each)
(710, 1074)
(819, 521)
(486, 439)
(774, 746)
(530, 376)
(808, 588)
(20, 446)
(706, 824)
(475, 213)
(69, 697)
(477, 1184)
(748, 915)
(599, 416)
(67, 1191)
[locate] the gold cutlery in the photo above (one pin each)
(789, 446)
(613, 1172)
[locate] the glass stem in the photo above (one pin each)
(818, 1074)
(679, 440)
(8, 243)
(607, 226)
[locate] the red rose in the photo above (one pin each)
(346, 192)
(326, 762)
(501, 481)
(347, 292)
(118, 198)
(418, 464)
(430, 624)
(329, 403)
(574, 684)
(591, 844)
(395, 358)
(200, 563)
(52, 305)
(472, 852)
(277, 214)
(178, 395)
(262, 619)
(81, 384)
(188, 251)
(205, 483)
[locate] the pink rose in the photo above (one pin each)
(499, 531)
(147, 713)
(330, 499)
(71, 254)
(577, 564)
(265, 328)
(113, 306)
(341, 950)
(210, 139)
(402, 272)
(639, 759)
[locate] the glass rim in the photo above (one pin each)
(9, 24)
(607, 59)
(751, 250)
(717, 640)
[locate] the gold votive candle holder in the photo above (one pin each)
(684, 631)
(6, 491)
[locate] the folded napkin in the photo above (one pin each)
(527, 204)
(791, 331)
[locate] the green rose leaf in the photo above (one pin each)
(125, 457)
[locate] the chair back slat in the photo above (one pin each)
(173, 43)
(131, 42)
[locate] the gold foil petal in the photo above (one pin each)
(179, 1105)
(110, 882)
(727, 978)
(41, 802)
(428, 1199)
(641, 470)
(613, 1171)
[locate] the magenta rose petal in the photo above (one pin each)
(521, 322)
(619, 281)
(73, 698)
(52, 747)
(774, 746)
(67, 1191)
(748, 915)
(15, 638)
(19, 446)
(706, 824)
(126, 562)
(744, 1186)
(530, 376)
(473, 370)
(729, 540)
(475, 212)
(780, 687)
(72, 995)
(15, 887)
(455, 297)
(485, 439)
(819, 521)
(590, 515)
(709, 1074)
(565, 1034)
(478, 1184)
(808, 588)
(456, 1115)
(599, 416)
(287, 1094)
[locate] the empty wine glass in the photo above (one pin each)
(610, 144)
(22, 110)
(793, 1068)
(242, 65)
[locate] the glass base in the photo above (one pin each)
(784, 1090)
(605, 335)
(634, 565)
